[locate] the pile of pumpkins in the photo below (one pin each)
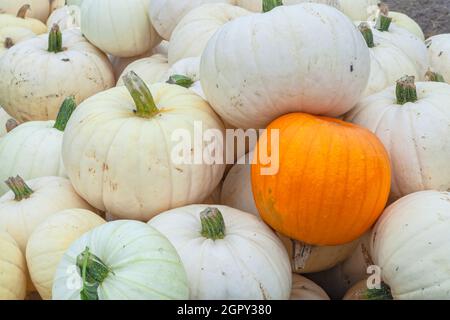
(94, 207)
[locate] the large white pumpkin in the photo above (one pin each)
(191, 35)
(131, 171)
(133, 261)
(305, 289)
(50, 240)
(152, 69)
(120, 28)
(439, 54)
(33, 149)
(411, 244)
(227, 253)
(10, 36)
(45, 74)
(13, 269)
(28, 204)
(67, 17)
(413, 124)
(259, 67)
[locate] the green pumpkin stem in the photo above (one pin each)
(384, 293)
(406, 90)
(367, 33)
(66, 110)
(20, 189)
(23, 11)
(143, 99)
(180, 80)
(434, 76)
(270, 4)
(213, 225)
(93, 272)
(384, 21)
(55, 39)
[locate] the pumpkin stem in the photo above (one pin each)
(180, 80)
(9, 43)
(383, 21)
(406, 90)
(23, 11)
(384, 293)
(66, 110)
(143, 99)
(434, 76)
(270, 4)
(93, 273)
(11, 124)
(367, 33)
(213, 225)
(55, 39)
(301, 253)
(19, 187)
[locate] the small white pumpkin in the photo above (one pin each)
(278, 73)
(133, 261)
(19, 18)
(39, 9)
(33, 149)
(13, 269)
(410, 243)
(10, 36)
(227, 253)
(28, 204)
(439, 54)
(148, 180)
(152, 69)
(120, 28)
(191, 35)
(67, 17)
(50, 240)
(47, 69)
(305, 289)
(189, 70)
(413, 125)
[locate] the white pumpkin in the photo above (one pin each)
(189, 69)
(10, 36)
(20, 19)
(191, 35)
(45, 74)
(152, 69)
(39, 9)
(277, 73)
(28, 204)
(439, 54)
(388, 62)
(410, 243)
(13, 275)
(120, 28)
(4, 117)
(67, 17)
(413, 125)
(227, 253)
(51, 239)
(134, 261)
(33, 149)
(305, 289)
(148, 180)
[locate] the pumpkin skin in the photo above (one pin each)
(242, 97)
(343, 161)
(10, 36)
(416, 135)
(81, 70)
(126, 31)
(13, 278)
(121, 186)
(305, 289)
(74, 2)
(152, 69)
(51, 195)
(439, 54)
(67, 17)
(191, 35)
(188, 67)
(39, 9)
(147, 268)
(50, 240)
(408, 242)
(249, 262)
(11, 20)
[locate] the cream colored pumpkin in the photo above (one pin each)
(305, 289)
(67, 17)
(415, 134)
(127, 187)
(189, 68)
(237, 257)
(10, 36)
(120, 28)
(42, 82)
(439, 54)
(4, 117)
(51, 239)
(410, 244)
(22, 212)
(152, 69)
(18, 18)
(39, 9)
(191, 35)
(251, 95)
(13, 269)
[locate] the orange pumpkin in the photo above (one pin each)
(332, 184)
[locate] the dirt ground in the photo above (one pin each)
(432, 15)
